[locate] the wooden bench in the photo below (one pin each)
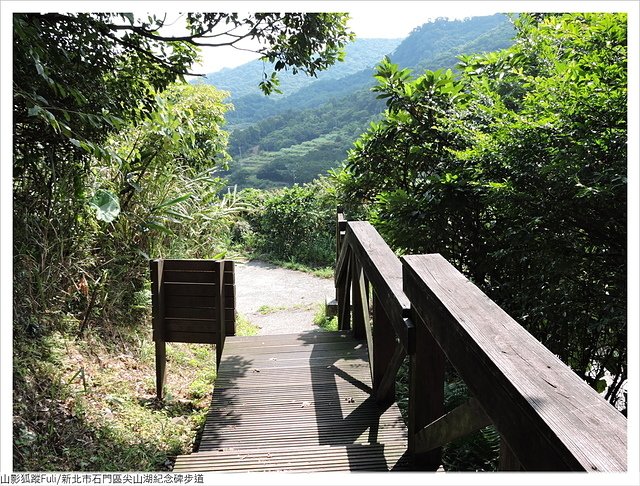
(190, 300)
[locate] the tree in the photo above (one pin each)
(63, 60)
(166, 179)
(406, 166)
(516, 172)
(557, 141)
(80, 77)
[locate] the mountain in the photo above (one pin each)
(243, 80)
(277, 141)
(437, 43)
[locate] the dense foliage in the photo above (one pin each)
(294, 224)
(515, 171)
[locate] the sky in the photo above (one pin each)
(373, 19)
(370, 19)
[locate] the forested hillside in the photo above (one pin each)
(281, 141)
(241, 81)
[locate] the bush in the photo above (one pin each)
(294, 224)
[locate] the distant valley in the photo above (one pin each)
(289, 138)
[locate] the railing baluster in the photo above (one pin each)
(426, 393)
(463, 420)
(360, 303)
(344, 298)
(384, 345)
(219, 304)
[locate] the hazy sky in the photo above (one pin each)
(373, 19)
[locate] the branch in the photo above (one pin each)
(149, 54)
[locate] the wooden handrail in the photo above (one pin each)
(384, 271)
(366, 261)
(548, 418)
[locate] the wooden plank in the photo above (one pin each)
(191, 265)
(384, 270)
(190, 312)
(459, 422)
(320, 458)
(305, 413)
(304, 339)
(551, 419)
(197, 313)
(183, 276)
(199, 301)
(190, 337)
(190, 325)
(283, 350)
(190, 288)
(189, 301)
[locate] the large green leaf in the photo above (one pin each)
(107, 205)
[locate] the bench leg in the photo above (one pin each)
(161, 365)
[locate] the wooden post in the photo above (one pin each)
(157, 302)
(220, 313)
(332, 307)
(341, 228)
(508, 460)
(161, 367)
(229, 291)
(360, 304)
(426, 393)
(384, 343)
(344, 299)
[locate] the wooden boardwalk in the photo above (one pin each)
(297, 402)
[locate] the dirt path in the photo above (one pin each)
(278, 300)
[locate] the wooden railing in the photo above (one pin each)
(547, 417)
(193, 301)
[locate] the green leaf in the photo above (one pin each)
(165, 204)
(178, 214)
(158, 227)
(39, 67)
(106, 204)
